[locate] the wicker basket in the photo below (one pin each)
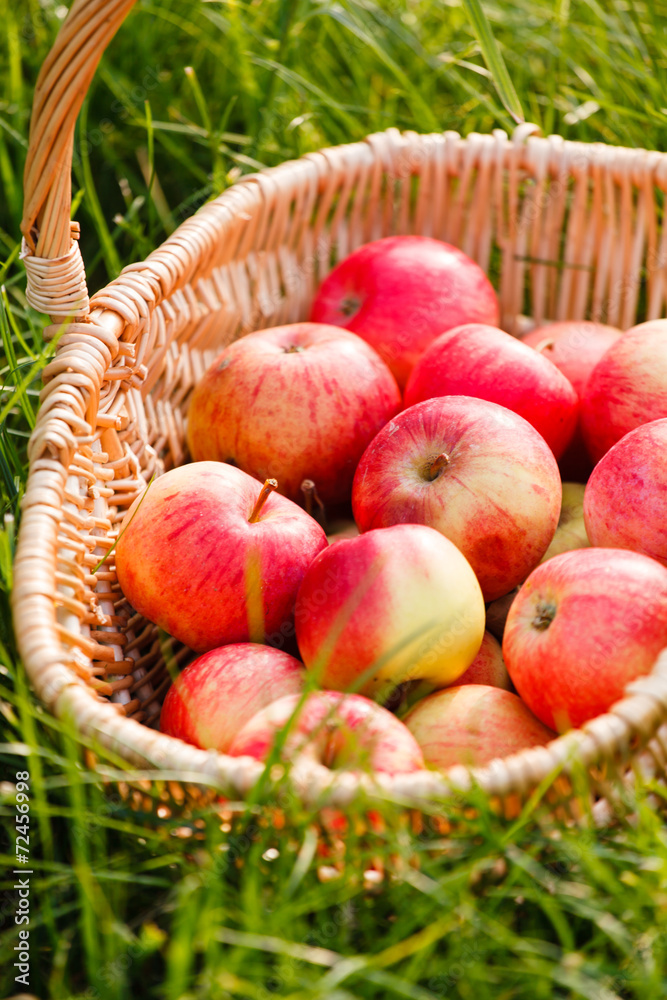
(573, 230)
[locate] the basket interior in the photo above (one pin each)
(565, 231)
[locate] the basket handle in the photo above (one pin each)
(56, 275)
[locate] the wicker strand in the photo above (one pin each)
(61, 88)
(176, 308)
(575, 230)
(57, 285)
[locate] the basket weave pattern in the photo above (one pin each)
(572, 230)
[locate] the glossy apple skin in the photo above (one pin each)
(488, 667)
(627, 388)
(291, 403)
(582, 627)
(498, 499)
(473, 725)
(574, 347)
(625, 506)
(388, 607)
(337, 730)
(401, 292)
(570, 534)
(487, 363)
(214, 697)
(571, 531)
(189, 558)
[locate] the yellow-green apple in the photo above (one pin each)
(482, 361)
(473, 725)
(337, 730)
(475, 471)
(214, 697)
(294, 402)
(575, 347)
(625, 506)
(213, 557)
(390, 606)
(571, 530)
(401, 292)
(488, 667)
(582, 626)
(627, 388)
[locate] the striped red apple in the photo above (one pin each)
(475, 471)
(401, 292)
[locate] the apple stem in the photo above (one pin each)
(545, 345)
(267, 489)
(434, 468)
(310, 495)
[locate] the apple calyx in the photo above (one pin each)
(267, 489)
(435, 466)
(294, 349)
(350, 305)
(545, 612)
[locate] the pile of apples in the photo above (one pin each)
(402, 405)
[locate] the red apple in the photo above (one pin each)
(401, 292)
(473, 725)
(388, 607)
(213, 698)
(482, 361)
(625, 504)
(570, 534)
(584, 625)
(575, 347)
(628, 387)
(294, 402)
(337, 730)
(475, 471)
(201, 557)
(488, 667)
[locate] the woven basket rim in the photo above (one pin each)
(643, 707)
(96, 336)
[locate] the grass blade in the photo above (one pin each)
(493, 59)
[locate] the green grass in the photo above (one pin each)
(191, 95)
